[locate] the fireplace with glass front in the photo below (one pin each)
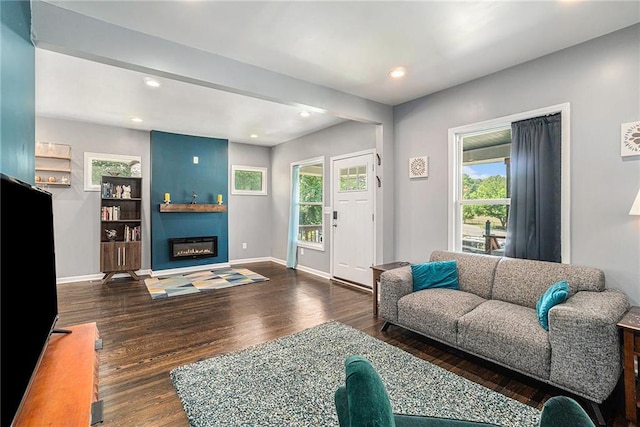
(193, 247)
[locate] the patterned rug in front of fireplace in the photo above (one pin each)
(200, 281)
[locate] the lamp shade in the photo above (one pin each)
(635, 208)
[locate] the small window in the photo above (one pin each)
(353, 178)
(248, 180)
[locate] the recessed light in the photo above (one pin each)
(304, 114)
(253, 135)
(136, 119)
(151, 82)
(397, 72)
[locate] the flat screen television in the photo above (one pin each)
(28, 293)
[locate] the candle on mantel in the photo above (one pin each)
(167, 198)
(219, 199)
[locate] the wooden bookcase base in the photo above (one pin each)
(64, 391)
(110, 274)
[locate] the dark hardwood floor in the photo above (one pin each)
(144, 339)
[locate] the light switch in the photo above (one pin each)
(195, 160)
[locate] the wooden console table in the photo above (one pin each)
(64, 391)
(377, 271)
(630, 325)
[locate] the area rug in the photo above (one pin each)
(291, 382)
(201, 281)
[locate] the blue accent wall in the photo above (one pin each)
(17, 91)
(173, 172)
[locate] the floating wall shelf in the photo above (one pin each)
(171, 207)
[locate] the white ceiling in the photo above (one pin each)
(349, 46)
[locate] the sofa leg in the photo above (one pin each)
(596, 409)
(385, 326)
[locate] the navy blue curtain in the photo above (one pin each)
(533, 231)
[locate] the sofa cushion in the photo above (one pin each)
(435, 312)
(437, 274)
(556, 294)
(475, 271)
(508, 334)
(522, 281)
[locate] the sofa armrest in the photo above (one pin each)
(394, 284)
(585, 342)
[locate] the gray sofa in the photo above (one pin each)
(493, 316)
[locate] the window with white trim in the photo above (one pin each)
(483, 193)
(310, 202)
(479, 156)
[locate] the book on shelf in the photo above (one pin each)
(110, 213)
(132, 234)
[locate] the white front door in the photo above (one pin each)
(352, 219)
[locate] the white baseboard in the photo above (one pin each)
(304, 268)
(250, 260)
(85, 278)
(191, 269)
(97, 277)
(172, 271)
(313, 271)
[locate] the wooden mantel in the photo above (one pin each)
(189, 207)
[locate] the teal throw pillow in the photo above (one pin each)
(554, 295)
(437, 274)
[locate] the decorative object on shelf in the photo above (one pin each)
(52, 164)
(167, 198)
(194, 198)
(219, 199)
(111, 234)
(630, 139)
(419, 167)
(97, 165)
(126, 191)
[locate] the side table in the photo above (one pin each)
(377, 271)
(630, 325)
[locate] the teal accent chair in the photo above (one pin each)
(364, 402)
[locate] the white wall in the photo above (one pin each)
(249, 216)
(77, 212)
(601, 81)
(344, 138)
